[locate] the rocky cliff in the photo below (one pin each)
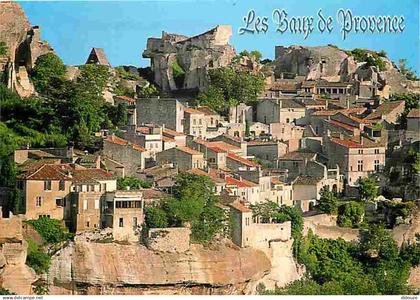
(191, 56)
(91, 268)
(23, 47)
(334, 64)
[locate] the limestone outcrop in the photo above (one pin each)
(336, 65)
(192, 56)
(23, 44)
(86, 267)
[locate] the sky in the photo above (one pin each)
(122, 27)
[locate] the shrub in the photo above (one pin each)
(178, 74)
(132, 182)
(4, 291)
(37, 259)
(51, 230)
(350, 214)
(367, 189)
(328, 202)
(3, 49)
(156, 217)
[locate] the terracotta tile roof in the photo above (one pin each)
(276, 181)
(90, 175)
(193, 111)
(221, 145)
(242, 160)
(239, 183)
(297, 155)
(414, 113)
(152, 194)
(290, 103)
(168, 139)
(207, 111)
(240, 207)
(385, 109)
(306, 180)
(354, 110)
(119, 141)
(325, 83)
(126, 99)
(48, 172)
(307, 84)
(189, 150)
(353, 118)
(340, 124)
(36, 164)
(347, 143)
(171, 133)
(216, 149)
(143, 129)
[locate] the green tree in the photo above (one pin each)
(48, 73)
(148, 91)
(51, 230)
(156, 217)
(328, 202)
(350, 214)
(229, 87)
(367, 189)
(132, 182)
(256, 54)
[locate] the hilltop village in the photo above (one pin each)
(209, 172)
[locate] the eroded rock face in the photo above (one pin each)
(195, 55)
(105, 266)
(314, 62)
(24, 46)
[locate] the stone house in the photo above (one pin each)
(132, 156)
(287, 132)
(248, 233)
(166, 112)
(257, 129)
(295, 162)
(247, 191)
(241, 113)
(230, 143)
(63, 191)
(147, 136)
(281, 111)
(183, 157)
(357, 158)
(194, 123)
(334, 89)
(211, 118)
(236, 162)
(281, 192)
(123, 212)
(413, 120)
(388, 111)
(177, 138)
(266, 150)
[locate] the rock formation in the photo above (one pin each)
(194, 55)
(336, 65)
(23, 45)
(86, 267)
(15, 275)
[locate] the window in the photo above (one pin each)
(59, 202)
(282, 130)
(121, 222)
(200, 122)
(38, 201)
(376, 164)
(87, 224)
(287, 120)
(104, 187)
(47, 185)
(61, 185)
(194, 122)
(295, 164)
(360, 151)
(134, 221)
(376, 151)
(85, 204)
(96, 203)
(360, 165)
(212, 160)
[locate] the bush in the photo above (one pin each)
(132, 182)
(51, 230)
(156, 217)
(4, 291)
(178, 74)
(350, 214)
(328, 202)
(367, 189)
(37, 259)
(3, 49)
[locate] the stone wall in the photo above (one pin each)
(325, 226)
(10, 228)
(174, 240)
